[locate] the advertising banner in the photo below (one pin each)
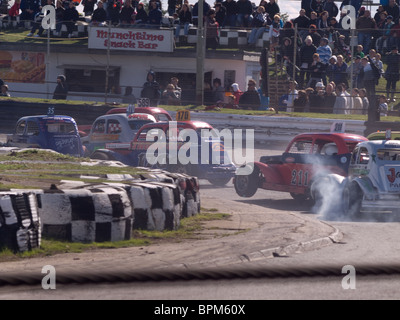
(156, 40)
(20, 66)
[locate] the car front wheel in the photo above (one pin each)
(246, 185)
(352, 197)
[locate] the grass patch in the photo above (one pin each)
(139, 238)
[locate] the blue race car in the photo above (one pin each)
(54, 132)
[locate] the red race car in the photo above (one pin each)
(307, 160)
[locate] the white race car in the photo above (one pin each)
(373, 182)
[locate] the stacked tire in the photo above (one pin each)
(20, 226)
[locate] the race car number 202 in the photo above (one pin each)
(202, 309)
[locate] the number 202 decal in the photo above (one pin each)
(299, 178)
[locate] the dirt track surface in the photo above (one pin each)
(251, 233)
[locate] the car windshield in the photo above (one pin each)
(137, 123)
(61, 127)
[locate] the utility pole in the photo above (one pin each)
(200, 56)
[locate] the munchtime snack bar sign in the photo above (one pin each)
(131, 39)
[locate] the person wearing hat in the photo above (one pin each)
(392, 72)
(4, 91)
(316, 99)
(324, 50)
(381, 42)
(61, 90)
(315, 36)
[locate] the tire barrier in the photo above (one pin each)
(20, 227)
(76, 211)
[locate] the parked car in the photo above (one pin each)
(307, 160)
(216, 167)
(373, 182)
(55, 132)
(114, 128)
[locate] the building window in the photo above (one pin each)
(81, 80)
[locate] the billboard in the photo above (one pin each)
(20, 66)
(156, 40)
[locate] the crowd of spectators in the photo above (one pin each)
(314, 48)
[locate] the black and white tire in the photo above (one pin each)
(246, 185)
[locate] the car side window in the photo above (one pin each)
(114, 127)
(363, 156)
(161, 117)
(20, 129)
(32, 128)
(301, 147)
(99, 126)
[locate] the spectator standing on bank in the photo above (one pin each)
(231, 13)
(272, 8)
(151, 89)
(211, 27)
(300, 103)
(88, 7)
(244, 15)
(340, 71)
(366, 26)
(331, 7)
(329, 99)
(126, 14)
(185, 21)
(365, 101)
(357, 104)
(250, 99)
(392, 72)
(129, 97)
(141, 15)
(236, 92)
(292, 95)
(71, 15)
(258, 25)
(383, 106)
(317, 70)
(219, 91)
(155, 15)
(317, 98)
(340, 106)
(175, 83)
(220, 13)
(170, 96)
(306, 54)
(324, 51)
(99, 15)
(61, 90)
(303, 23)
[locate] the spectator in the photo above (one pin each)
(306, 5)
(141, 15)
(61, 90)
(4, 91)
(258, 25)
(385, 34)
(195, 11)
(377, 17)
(324, 51)
(365, 26)
(317, 6)
(88, 7)
(231, 13)
(392, 9)
(99, 16)
(383, 106)
(185, 20)
(292, 95)
(323, 24)
(329, 99)
(317, 70)
(236, 92)
(315, 36)
(331, 7)
(29, 9)
(211, 27)
(175, 82)
(306, 53)
(330, 67)
(360, 51)
(37, 24)
(301, 102)
(244, 15)
(129, 97)
(392, 72)
(340, 71)
(155, 15)
(303, 23)
(219, 91)
(355, 69)
(340, 105)
(272, 8)
(172, 5)
(317, 98)
(357, 103)
(71, 15)
(14, 12)
(250, 99)
(365, 101)
(220, 13)
(151, 89)
(170, 96)
(274, 32)
(286, 53)
(367, 78)
(126, 14)
(343, 48)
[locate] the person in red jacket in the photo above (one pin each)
(14, 11)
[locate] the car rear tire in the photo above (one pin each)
(246, 185)
(300, 196)
(352, 197)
